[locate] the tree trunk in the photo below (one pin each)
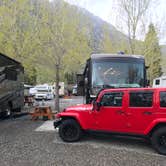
(57, 88)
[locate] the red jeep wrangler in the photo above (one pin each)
(129, 111)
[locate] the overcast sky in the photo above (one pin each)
(107, 10)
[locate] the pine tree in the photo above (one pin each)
(152, 54)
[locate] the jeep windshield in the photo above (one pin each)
(106, 74)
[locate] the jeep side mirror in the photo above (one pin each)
(96, 106)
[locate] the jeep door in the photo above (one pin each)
(141, 110)
(111, 115)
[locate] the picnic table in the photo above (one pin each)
(45, 112)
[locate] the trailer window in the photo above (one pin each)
(162, 99)
(157, 82)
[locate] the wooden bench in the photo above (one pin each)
(42, 111)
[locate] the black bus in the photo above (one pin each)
(111, 71)
(11, 86)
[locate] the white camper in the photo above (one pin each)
(159, 82)
(44, 92)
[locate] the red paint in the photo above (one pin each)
(132, 120)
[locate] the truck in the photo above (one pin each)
(11, 86)
(138, 112)
(159, 82)
(111, 71)
(43, 92)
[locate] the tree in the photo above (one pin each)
(132, 12)
(152, 54)
(64, 40)
(18, 36)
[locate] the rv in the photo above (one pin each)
(111, 71)
(43, 92)
(159, 82)
(11, 86)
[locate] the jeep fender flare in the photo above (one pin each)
(154, 124)
(74, 116)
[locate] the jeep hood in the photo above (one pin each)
(81, 107)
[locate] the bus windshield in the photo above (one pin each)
(117, 74)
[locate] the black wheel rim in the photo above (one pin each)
(162, 140)
(70, 132)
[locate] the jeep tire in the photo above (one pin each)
(70, 130)
(158, 140)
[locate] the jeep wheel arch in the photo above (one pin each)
(78, 119)
(70, 117)
(156, 127)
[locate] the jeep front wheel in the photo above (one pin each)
(70, 130)
(159, 140)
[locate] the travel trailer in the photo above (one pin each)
(159, 82)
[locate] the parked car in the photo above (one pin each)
(28, 97)
(129, 111)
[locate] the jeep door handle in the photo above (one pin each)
(147, 113)
(120, 112)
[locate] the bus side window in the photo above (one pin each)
(11, 74)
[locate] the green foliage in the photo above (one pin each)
(18, 37)
(152, 53)
(44, 35)
(30, 75)
(41, 34)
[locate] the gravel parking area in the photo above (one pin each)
(22, 145)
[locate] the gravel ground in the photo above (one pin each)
(21, 145)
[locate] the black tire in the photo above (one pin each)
(70, 130)
(158, 140)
